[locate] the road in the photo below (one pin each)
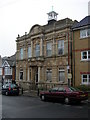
(0, 107)
(33, 107)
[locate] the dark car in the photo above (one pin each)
(10, 89)
(65, 94)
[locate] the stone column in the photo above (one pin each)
(24, 73)
(28, 74)
(41, 47)
(31, 48)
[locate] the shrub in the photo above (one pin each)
(84, 87)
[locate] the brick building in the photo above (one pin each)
(81, 52)
(43, 55)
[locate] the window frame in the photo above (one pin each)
(21, 71)
(60, 47)
(87, 55)
(87, 82)
(21, 53)
(49, 72)
(8, 71)
(59, 72)
(29, 52)
(37, 51)
(49, 49)
(84, 34)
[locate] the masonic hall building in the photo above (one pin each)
(44, 54)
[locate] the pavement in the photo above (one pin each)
(30, 93)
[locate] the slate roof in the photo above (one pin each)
(11, 60)
(84, 22)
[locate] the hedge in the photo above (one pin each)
(84, 88)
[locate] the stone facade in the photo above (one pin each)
(45, 65)
(0, 68)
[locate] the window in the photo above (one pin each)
(61, 89)
(21, 53)
(0, 71)
(85, 55)
(60, 47)
(8, 71)
(54, 89)
(21, 74)
(37, 50)
(49, 49)
(49, 74)
(29, 51)
(85, 33)
(61, 75)
(86, 79)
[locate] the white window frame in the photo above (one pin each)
(87, 55)
(84, 33)
(8, 71)
(87, 82)
(61, 47)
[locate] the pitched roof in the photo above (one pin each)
(11, 60)
(84, 22)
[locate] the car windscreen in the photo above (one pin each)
(13, 85)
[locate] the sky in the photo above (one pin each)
(18, 16)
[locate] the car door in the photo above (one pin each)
(61, 93)
(52, 93)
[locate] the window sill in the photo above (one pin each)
(85, 84)
(85, 60)
(84, 38)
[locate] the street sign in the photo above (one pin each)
(69, 75)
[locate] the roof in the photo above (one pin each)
(84, 22)
(11, 60)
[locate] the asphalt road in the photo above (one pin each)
(32, 107)
(0, 107)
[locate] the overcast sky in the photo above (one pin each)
(18, 16)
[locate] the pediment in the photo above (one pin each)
(35, 29)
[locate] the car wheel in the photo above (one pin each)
(66, 100)
(43, 97)
(6, 93)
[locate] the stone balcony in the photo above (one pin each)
(39, 58)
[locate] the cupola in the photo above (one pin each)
(52, 17)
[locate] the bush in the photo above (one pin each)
(84, 88)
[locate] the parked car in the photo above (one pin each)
(10, 89)
(65, 94)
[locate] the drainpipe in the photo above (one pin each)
(73, 59)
